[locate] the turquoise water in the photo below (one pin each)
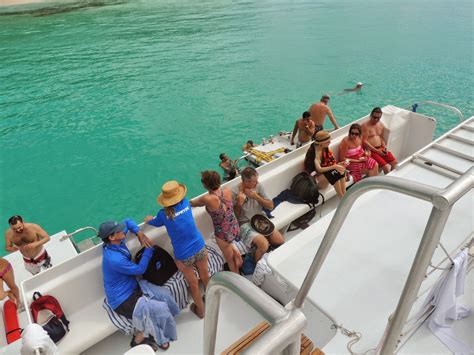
(100, 106)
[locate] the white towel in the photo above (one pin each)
(34, 337)
(443, 297)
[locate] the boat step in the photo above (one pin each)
(240, 345)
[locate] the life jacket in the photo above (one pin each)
(327, 159)
(47, 312)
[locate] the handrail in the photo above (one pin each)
(452, 108)
(287, 322)
(442, 201)
(64, 237)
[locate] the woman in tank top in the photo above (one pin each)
(218, 203)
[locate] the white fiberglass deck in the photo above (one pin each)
(362, 278)
(59, 251)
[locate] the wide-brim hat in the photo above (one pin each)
(261, 224)
(321, 137)
(172, 192)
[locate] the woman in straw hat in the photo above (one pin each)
(188, 244)
(320, 159)
(219, 205)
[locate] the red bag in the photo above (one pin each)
(47, 312)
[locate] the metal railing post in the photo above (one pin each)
(255, 297)
(429, 241)
(289, 322)
(408, 187)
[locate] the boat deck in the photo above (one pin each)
(362, 278)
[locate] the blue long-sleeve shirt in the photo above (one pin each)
(119, 270)
(185, 237)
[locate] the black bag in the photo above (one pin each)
(160, 268)
(304, 188)
(55, 328)
(303, 221)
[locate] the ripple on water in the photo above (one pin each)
(100, 106)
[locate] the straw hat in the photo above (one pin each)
(172, 192)
(322, 136)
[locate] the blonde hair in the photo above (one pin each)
(169, 212)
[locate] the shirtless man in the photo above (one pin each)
(318, 113)
(229, 166)
(247, 146)
(372, 133)
(305, 128)
(29, 239)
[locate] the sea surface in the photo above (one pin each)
(101, 102)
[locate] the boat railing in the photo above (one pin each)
(77, 231)
(415, 106)
(442, 201)
(288, 321)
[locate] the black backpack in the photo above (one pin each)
(160, 268)
(304, 188)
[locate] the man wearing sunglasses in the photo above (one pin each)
(29, 239)
(372, 138)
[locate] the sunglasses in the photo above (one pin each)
(354, 133)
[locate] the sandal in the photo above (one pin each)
(164, 346)
(193, 309)
(148, 341)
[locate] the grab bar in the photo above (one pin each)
(67, 236)
(287, 322)
(449, 107)
(442, 201)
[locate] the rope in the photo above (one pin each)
(352, 334)
(268, 156)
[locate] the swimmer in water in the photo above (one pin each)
(356, 88)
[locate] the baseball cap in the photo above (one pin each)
(110, 227)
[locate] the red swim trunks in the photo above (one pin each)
(383, 160)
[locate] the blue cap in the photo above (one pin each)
(108, 228)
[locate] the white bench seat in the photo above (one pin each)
(78, 286)
(287, 212)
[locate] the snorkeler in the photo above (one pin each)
(356, 88)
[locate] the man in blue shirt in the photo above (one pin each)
(119, 271)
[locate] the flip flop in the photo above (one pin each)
(149, 341)
(193, 309)
(164, 346)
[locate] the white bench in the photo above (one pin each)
(280, 179)
(78, 286)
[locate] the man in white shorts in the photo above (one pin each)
(29, 239)
(249, 199)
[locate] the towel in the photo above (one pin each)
(34, 337)
(443, 297)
